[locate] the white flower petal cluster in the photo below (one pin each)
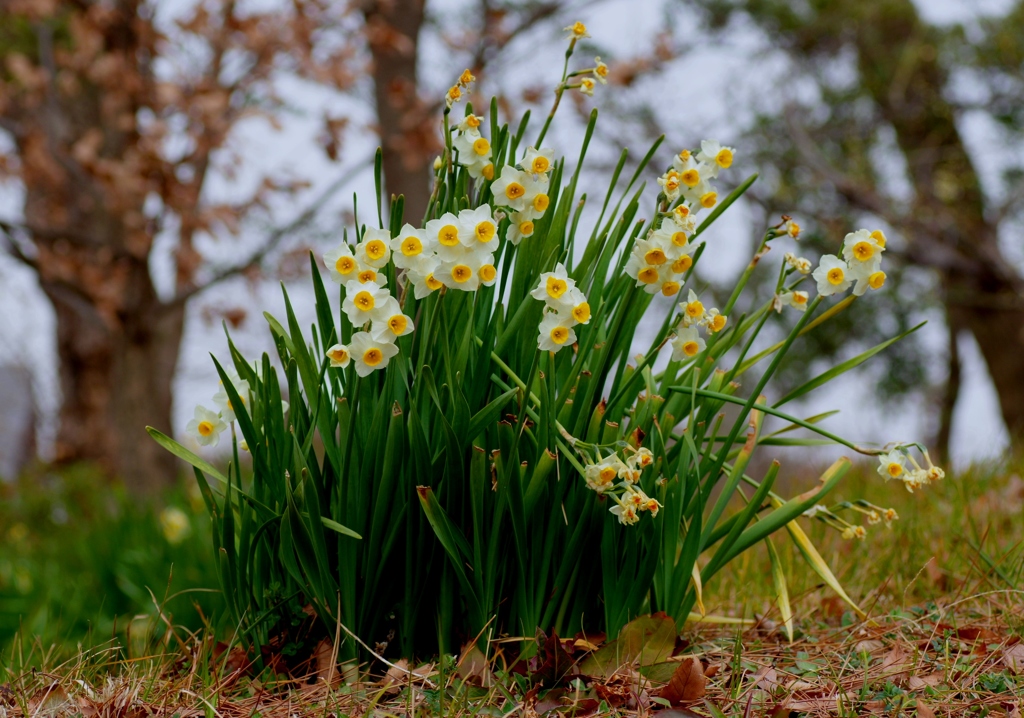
(368, 303)
(687, 342)
(207, 425)
(524, 192)
(464, 246)
(900, 465)
(660, 262)
(860, 266)
(620, 479)
(565, 307)
(691, 174)
(474, 150)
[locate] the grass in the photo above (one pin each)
(943, 590)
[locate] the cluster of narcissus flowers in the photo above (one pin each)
(207, 425)
(687, 342)
(565, 307)
(524, 192)
(368, 302)
(620, 480)
(873, 514)
(900, 465)
(860, 266)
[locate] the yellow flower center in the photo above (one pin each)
(540, 164)
(601, 69)
(799, 297)
(488, 273)
(670, 289)
(205, 428)
(466, 78)
(879, 237)
(461, 273)
(581, 312)
(514, 190)
(694, 310)
(398, 323)
(432, 284)
(895, 470)
(579, 29)
(373, 357)
(682, 211)
(876, 280)
(345, 265)
(482, 147)
(691, 348)
(367, 275)
(338, 355)
(724, 158)
(794, 229)
(863, 251)
(684, 156)
(485, 231)
(682, 264)
(680, 239)
(691, 177)
(364, 301)
(555, 287)
(375, 249)
(449, 235)
(454, 93)
(718, 323)
(526, 228)
(411, 246)
(472, 121)
(559, 335)
(835, 276)
(672, 184)
(648, 275)
(655, 256)
(488, 172)
(541, 202)
(707, 201)
(608, 475)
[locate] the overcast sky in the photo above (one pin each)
(719, 84)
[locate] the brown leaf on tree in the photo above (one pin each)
(688, 683)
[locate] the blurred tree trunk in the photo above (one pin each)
(900, 69)
(407, 126)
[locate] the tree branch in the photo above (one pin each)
(273, 239)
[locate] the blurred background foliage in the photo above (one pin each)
(82, 563)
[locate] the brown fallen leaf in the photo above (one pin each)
(766, 679)
(916, 683)
(325, 667)
(49, 701)
(688, 683)
(923, 711)
(473, 668)
(896, 664)
(1013, 658)
(869, 645)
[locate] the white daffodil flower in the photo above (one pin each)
(206, 426)
(687, 344)
(798, 263)
(363, 301)
(692, 309)
(478, 230)
(715, 157)
(459, 274)
(520, 227)
(341, 263)
(601, 476)
(626, 514)
(555, 332)
(574, 302)
(509, 189)
(539, 161)
(797, 300)
(375, 249)
(424, 283)
(536, 199)
(832, 275)
(552, 285)
(392, 322)
(892, 465)
(445, 234)
(875, 280)
(370, 354)
(339, 355)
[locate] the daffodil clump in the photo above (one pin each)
(497, 423)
